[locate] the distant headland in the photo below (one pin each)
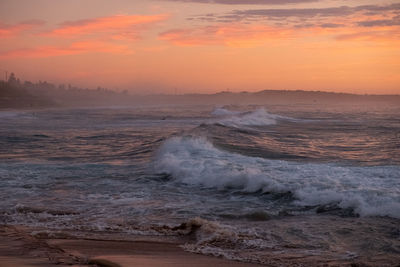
(15, 94)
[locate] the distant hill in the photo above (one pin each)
(14, 94)
(267, 97)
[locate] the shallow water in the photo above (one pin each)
(257, 181)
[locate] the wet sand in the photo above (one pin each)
(20, 249)
(369, 242)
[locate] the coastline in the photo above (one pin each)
(18, 248)
(355, 242)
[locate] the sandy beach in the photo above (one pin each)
(20, 249)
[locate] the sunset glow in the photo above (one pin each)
(164, 46)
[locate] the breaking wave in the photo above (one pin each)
(218, 112)
(259, 117)
(368, 191)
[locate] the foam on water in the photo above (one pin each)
(216, 239)
(368, 190)
(292, 241)
(218, 112)
(259, 117)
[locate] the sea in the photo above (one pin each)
(281, 185)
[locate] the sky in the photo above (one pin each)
(204, 46)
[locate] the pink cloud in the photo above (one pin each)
(376, 35)
(7, 31)
(235, 35)
(250, 35)
(73, 49)
(118, 26)
(99, 35)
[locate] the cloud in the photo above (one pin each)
(227, 35)
(330, 25)
(313, 12)
(118, 26)
(380, 22)
(111, 34)
(247, 2)
(72, 49)
(13, 30)
(382, 35)
(304, 15)
(260, 26)
(294, 12)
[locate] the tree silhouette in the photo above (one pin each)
(12, 80)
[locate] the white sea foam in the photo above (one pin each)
(259, 117)
(368, 190)
(224, 112)
(221, 240)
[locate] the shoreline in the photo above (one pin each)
(355, 242)
(18, 248)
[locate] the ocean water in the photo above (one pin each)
(265, 184)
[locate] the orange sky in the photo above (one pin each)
(159, 46)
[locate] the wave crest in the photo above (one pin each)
(368, 190)
(237, 119)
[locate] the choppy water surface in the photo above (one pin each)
(251, 183)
